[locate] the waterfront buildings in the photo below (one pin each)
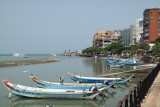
(104, 38)
(133, 35)
(118, 34)
(139, 28)
(144, 30)
(126, 37)
(151, 24)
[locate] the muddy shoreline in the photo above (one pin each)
(27, 62)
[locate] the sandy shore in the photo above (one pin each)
(26, 62)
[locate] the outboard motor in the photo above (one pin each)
(61, 80)
(113, 86)
(108, 66)
(102, 94)
(93, 88)
(122, 77)
(105, 82)
(49, 106)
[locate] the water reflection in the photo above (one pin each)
(99, 66)
(29, 102)
(52, 72)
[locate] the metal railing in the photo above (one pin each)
(138, 93)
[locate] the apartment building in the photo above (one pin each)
(139, 28)
(104, 38)
(151, 24)
(133, 35)
(126, 37)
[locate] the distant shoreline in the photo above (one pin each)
(27, 62)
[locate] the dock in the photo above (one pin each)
(146, 93)
(153, 97)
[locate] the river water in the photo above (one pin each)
(52, 72)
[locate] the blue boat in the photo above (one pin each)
(82, 79)
(53, 85)
(131, 62)
(34, 92)
(114, 64)
(125, 61)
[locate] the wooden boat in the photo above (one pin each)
(53, 85)
(125, 61)
(114, 64)
(131, 62)
(124, 80)
(82, 79)
(25, 91)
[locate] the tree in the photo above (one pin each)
(115, 47)
(132, 49)
(157, 40)
(156, 47)
(144, 46)
(92, 50)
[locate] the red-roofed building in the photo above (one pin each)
(104, 38)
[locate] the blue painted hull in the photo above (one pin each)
(52, 85)
(25, 91)
(91, 79)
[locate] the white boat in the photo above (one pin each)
(18, 54)
(53, 54)
(33, 92)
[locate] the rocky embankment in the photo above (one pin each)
(26, 62)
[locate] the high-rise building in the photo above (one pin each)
(151, 24)
(139, 25)
(126, 36)
(133, 35)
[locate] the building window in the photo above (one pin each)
(151, 17)
(147, 34)
(146, 17)
(146, 30)
(146, 22)
(159, 17)
(158, 21)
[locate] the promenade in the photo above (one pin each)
(153, 96)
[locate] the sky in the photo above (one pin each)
(53, 26)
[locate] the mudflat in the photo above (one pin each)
(27, 62)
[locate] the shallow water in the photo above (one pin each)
(52, 72)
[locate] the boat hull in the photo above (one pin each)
(82, 79)
(24, 91)
(53, 85)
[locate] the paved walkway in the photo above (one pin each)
(153, 97)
